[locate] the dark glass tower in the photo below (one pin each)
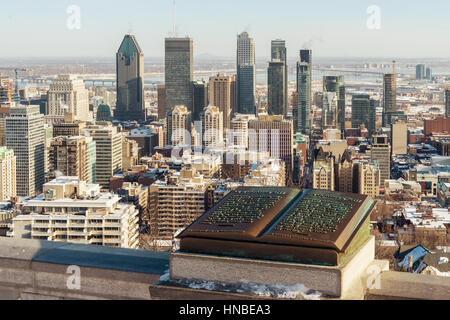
(304, 77)
(200, 96)
(179, 72)
(276, 83)
(130, 81)
(279, 51)
(363, 112)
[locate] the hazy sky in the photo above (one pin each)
(409, 28)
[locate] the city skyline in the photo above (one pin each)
(329, 30)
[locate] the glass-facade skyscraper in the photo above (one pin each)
(279, 51)
(364, 112)
(179, 72)
(130, 81)
(304, 78)
(276, 83)
(246, 74)
(333, 105)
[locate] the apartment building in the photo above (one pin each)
(70, 210)
(7, 174)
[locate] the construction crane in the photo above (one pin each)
(16, 71)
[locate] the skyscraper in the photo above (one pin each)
(7, 173)
(221, 89)
(279, 51)
(333, 108)
(276, 83)
(161, 101)
(399, 138)
(246, 74)
(212, 126)
(67, 94)
(200, 99)
(304, 78)
(130, 81)
(25, 136)
(420, 72)
(179, 72)
(363, 112)
(389, 97)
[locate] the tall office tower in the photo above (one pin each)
(130, 81)
(238, 135)
(246, 74)
(6, 91)
(200, 99)
(428, 73)
(304, 78)
(276, 83)
(363, 112)
(73, 157)
(420, 72)
(447, 102)
(233, 92)
(389, 97)
(275, 135)
(221, 89)
(294, 103)
(7, 173)
(344, 173)
(25, 135)
(399, 138)
(212, 126)
(179, 72)
(108, 149)
(279, 51)
(381, 153)
(333, 102)
(67, 94)
(162, 111)
(68, 127)
(179, 126)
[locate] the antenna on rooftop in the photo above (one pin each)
(174, 18)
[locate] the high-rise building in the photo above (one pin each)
(381, 153)
(399, 138)
(25, 135)
(304, 93)
(428, 73)
(108, 148)
(389, 97)
(275, 135)
(179, 126)
(344, 173)
(74, 157)
(179, 72)
(333, 107)
(200, 99)
(237, 136)
(246, 74)
(420, 72)
(176, 203)
(279, 51)
(212, 125)
(276, 84)
(363, 112)
(447, 102)
(7, 174)
(221, 89)
(130, 81)
(162, 112)
(70, 210)
(5, 110)
(67, 94)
